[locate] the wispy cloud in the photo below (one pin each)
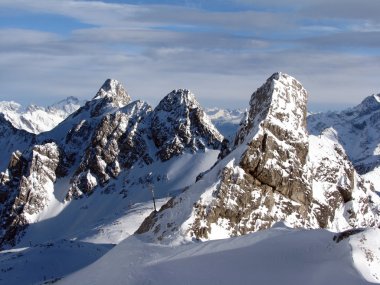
(223, 50)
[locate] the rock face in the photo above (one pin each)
(269, 181)
(27, 188)
(116, 144)
(28, 184)
(277, 155)
(268, 177)
(179, 123)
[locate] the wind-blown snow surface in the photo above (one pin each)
(57, 247)
(37, 119)
(276, 256)
(366, 254)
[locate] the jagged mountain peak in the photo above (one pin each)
(114, 92)
(178, 98)
(358, 130)
(180, 123)
(269, 177)
(6, 106)
(110, 96)
(282, 77)
(263, 180)
(282, 101)
(368, 105)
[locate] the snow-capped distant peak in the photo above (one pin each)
(180, 123)
(9, 106)
(71, 100)
(368, 105)
(178, 98)
(225, 120)
(36, 119)
(114, 91)
(67, 106)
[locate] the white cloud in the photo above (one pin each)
(222, 56)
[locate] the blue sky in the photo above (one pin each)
(221, 50)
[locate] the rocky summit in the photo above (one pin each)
(270, 176)
(180, 123)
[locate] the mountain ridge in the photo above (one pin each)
(36, 119)
(90, 181)
(105, 146)
(266, 178)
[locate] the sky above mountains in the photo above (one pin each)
(221, 50)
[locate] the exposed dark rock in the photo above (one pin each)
(179, 123)
(346, 234)
(265, 178)
(117, 143)
(30, 180)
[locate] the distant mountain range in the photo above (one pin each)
(84, 176)
(37, 119)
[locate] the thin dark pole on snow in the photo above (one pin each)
(152, 191)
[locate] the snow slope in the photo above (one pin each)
(358, 130)
(366, 254)
(276, 256)
(56, 247)
(109, 217)
(40, 263)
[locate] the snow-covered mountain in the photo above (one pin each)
(358, 130)
(108, 151)
(36, 119)
(88, 184)
(274, 173)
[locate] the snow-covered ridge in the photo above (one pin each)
(358, 130)
(37, 119)
(89, 182)
(109, 146)
(268, 177)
